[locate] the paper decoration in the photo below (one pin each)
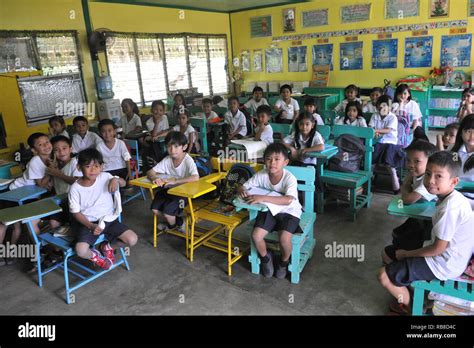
(289, 20)
(355, 13)
(274, 60)
(418, 52)
(351, 56)
(320, 76)
(297, 59)
(384, 54)
(322, 55)
(261, 26)
(439, 8)
(257, 61)
(402, 8)
(245, 61)
(456, 50)
(314, 18)
(470, 9)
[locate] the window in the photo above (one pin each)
(150, 57)
(198, 58)
(176, 64)
(17, 54)
(218, 60)
(58, 53)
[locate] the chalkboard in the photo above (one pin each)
(46, 96)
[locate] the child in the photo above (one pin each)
(310, 106)
(256, 101)
(452, 238)
(94, 211)
(178, 104)
(158, 123)
(130, 122)
(286, 106)
(264, 131)
(179, 168)
(386, 150)
(305, 139)
(83, 139)
(371, 106)
(353, 115)
(405, 107)
(446, 141)
(235, 120)
(114, 151)
(411, 234)
(57, 126)
(283, 214)
(467, 104)
(189, 132)
(352, 94)
(207, 111)
(464, 146)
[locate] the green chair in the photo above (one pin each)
(329, 116)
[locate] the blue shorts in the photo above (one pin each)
(406, 271)
(280, 222)
(112, 231)
(168, 204)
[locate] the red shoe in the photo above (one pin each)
(99, 260)
(107, 250)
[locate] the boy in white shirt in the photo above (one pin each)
(256, 101)
(207, 111)
(237, 124)
(96, 213)
(452, 238)
(264, 131)
(287, 107)
(284, 210)
(371, 106)
(83, 139)
(310, 106)
(114, 151)
(57, 126)
(130, 122)
(176, 168)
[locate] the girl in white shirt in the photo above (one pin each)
(131, 122)
(185, 127)
(57, 126)
(467, 104)
(310, 106)
(352, 94)
(405, 107)
(287, 107)
(464, 146)
(354, 116)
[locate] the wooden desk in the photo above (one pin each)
(423, 210)
(22, 194)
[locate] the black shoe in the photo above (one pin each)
(267, 267)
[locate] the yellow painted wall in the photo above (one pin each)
(367, 77)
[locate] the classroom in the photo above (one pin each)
(215, 157)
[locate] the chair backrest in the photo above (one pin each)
(306, 177)
(325, 131)
(220, 111)
(367, 116)
(329, 116)
(282, 128)
(272, 100)
(367, 134)
(194, 110)
(133, 144)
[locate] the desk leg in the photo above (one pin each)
(154, 229)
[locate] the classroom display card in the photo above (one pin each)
(439, 8)
(297, 59)
(314, 18)
(402, 8)
(257, 60)
(418, 52)
(351, 56)
(245, 61)
(320, 76)
(322, 55)
(274, 60)
(355, 13)
(470, 10)
(261, 26)
(289, 20)
(384, 54)
(456, 50)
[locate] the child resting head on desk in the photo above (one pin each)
(284, 209)
(176, 168)
(450, 249)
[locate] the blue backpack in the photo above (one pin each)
(403, 131)
(204, 165)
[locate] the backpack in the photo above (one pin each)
(403, 133)
(349, 157)
(236, 176)
(204, 165)
(388, 90)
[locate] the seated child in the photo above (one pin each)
(452, 239)
(94, 209)
(311, 107)
(353, 115)
(256, 101)
(158, 123)
(404, 106)
(189, 132)
(179, 104)
(83, 139)
(235, 119)
(446, 141)
(464, 147)
(114, 151)
(207, 111)
(57, 127)
(264, 131)
(467, 104)
(286, 106)
(413, 232)
(284, 213)
(130, 122)
(351, 93)
(178, 168)
(371, 106)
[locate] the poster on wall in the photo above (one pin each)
(402, 8)
(418, 52)
(245, 61)
(289, 20)
(351, 56)
(456, 50)
(322, 55)
(470, 10)
(320, 76)
(384, 54)
(261, 26)
(257, 61)
(297, 59)
(274, 60)
(355, 13)
(439, 8)
(314, 18)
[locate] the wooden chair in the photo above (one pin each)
(325, 132)
(328, 116)
(352, 181)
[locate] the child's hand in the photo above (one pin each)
(294, 153)
(400, 254)
(253, 199)
(53, 171)
(113, 185)
(169, 181)
(95, 229)
(159, 182)
(242, 193)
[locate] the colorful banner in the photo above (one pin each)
(418, 52)
(322, 55)
(384, 54)
(351, 56)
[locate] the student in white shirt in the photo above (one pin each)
(95, 211)
(114, 151)
(130, 122)
(351, 93)
(445, 142)
(207, 111)
(311, 107)
(158, 123)
(83, 139)
(284, 210)
(353, 115)
(237, 123)
(189, 132)
(264, 132)
(464, 147)
(176, 168)
(452, 238)
(371, 106)
(256, 101)
(467, 104)
(57, 126)
(286, 106)
(406, 107)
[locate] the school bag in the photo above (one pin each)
(238, 174)
(349, 157)
(203, 164)
(388, 90)
(403, 133)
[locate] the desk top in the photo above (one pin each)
(423, 210)
(240, 204)
(465, 186)
(28, 212)
(328, 152)
(192, 189)
(22, 193)
(143, 182)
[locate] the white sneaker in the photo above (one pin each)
(162, 226)
(181, 228)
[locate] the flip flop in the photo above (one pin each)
(399, 309)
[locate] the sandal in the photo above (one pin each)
(399, 309)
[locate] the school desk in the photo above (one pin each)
(22, 194)
(419, 210)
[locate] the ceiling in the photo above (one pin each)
(225, 6)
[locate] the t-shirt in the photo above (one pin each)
(186, 168)
(389, 121)
(317, 140)
(128, 126)
(452, 222)
(64, 133)
(267, 134)
(341, 107)
(318, 119)
(162, 125)
(90, 140)
(252, 105)
(358, 121)
(212, 115)
(70, 169)
(287, 186)
(95, 201)
(468, 176)
(289, 108)
(418, 187)
(411, 108)
(370, 108)
(35, 169)
(190, 129)
(236, 121)
(115, 157)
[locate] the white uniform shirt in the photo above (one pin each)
(90, 140)
(70, 169)
(411, 108)
(252, 105)
(341, 107)
(317, 140)
(369, 108)
(236, 121)
(418, 187)
(186, 168)
(267, 134)
(358, 122)
(115, 157)
(35, 169)
(289, 108)
(128, 126)
(162, 125)
(389, 121)
(190, 129)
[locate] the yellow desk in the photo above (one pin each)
(145, 183)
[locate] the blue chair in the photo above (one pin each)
(133, 144)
